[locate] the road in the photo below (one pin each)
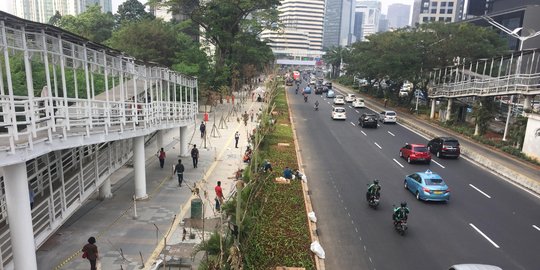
(487, 220)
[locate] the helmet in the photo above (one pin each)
(375, 181)
(403, 204)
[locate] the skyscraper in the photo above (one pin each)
(442, 11)
(43, 10)
(416, 12)
(398, 15)
(372, 13)
(302, 32)
(339, 23)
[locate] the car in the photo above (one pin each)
(350, 98)
(358, 103)
(444, 147)
(415, 152)
(388, 117)
(330, 94)
(318, 90)
(339, 113)
(307, 90)
(368, 120)
(339, 100)
(427, 186)
(329, 85)
(474, 266)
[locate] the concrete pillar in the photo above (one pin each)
(105, 190)
(184, 147)
(449, 109)
(432, 113)
(159, 139)
(527, 103)
(139, 167)
(20, 217)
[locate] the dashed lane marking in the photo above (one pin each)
(398, 163)
(353, 124)
(438, 163)
(484, 235)
(363, 133)
(391, 133)
(477, 189)
(378, 145)
(536, 227)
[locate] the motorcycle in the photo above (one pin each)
(401, 226)
(373, 200)
(305, 98)
(316, 107)
(296, 91)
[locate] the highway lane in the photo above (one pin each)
(341, 161)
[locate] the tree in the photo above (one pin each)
(91, 24)
(334, 56)
(55, 18)
(483, 112)
(147, 40)
(131, 11)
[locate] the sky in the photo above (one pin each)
(6, 5)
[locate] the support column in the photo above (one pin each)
(140, 169)
(449, 109)
(432, 113)
(184, 142)
(159, 139)
(20, 217)
(527, 103)
(105, 189)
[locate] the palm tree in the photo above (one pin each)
(334, 56)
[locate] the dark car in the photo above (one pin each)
(444, 147)
(368, 120)
(329, 85)
(318, 90)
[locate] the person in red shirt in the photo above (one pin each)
(219, 195)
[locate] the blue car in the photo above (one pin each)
(330, 94)
(427, 186)
(307, 90)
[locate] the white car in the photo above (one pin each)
(339, 113)
(339, 100)
(350, 98)
(388, 117)
(358, 103)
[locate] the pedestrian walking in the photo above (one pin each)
(195, 155)
(179, 170)
(219, 195)
(236, 139)
(90, 252)
(161, 156)
(251, 115)
(246, 118)
(202, 128)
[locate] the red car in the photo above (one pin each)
(415, 152)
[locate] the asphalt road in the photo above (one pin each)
(486, 221)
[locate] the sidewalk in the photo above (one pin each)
(127, 240)
(522, 173)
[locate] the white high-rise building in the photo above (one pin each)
(301, 35)
(43, 10)
(371, 14)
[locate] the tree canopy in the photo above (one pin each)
(91, 24)
(131, 11)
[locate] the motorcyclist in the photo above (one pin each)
(296, 91)
(373, 190)
(400, 213)
(316, 105)
(305, 97)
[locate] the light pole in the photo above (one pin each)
(522, 39)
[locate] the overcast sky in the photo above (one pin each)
(7, 5)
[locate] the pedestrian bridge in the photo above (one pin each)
(513, 74)
(71, 113)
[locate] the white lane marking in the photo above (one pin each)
(438, 163)
(349, 214)
(398, 163)
(356, 111)
(370, 260)
(536, 227)
(328, 102)
(353, 124)
(352, 222)
(363, 133)
(378, 145)
(378, 125)
(356, 229)
(485, 236)
(477, 189)
(350, 106)
(391, 133)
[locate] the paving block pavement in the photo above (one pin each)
(129, 235)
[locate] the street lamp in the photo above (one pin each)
(522, 39)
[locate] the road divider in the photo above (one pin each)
(477, 189)
(484, 235)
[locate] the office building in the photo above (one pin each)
(301, 36)
(416, 12)
(371, 17)
(383, 23)
(339, 23)
(43, 10)
(398, 15)
(440, 10)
